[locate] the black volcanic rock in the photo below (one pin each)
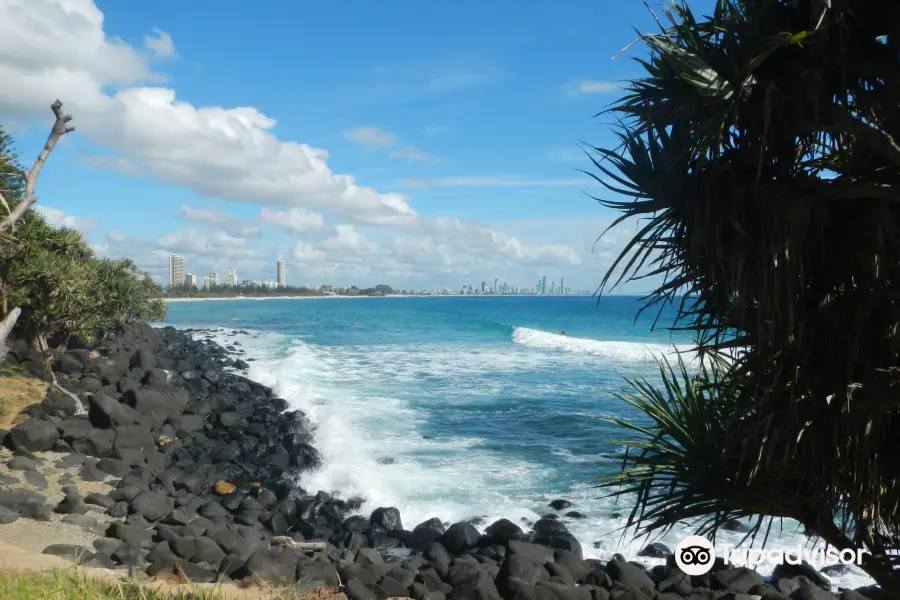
(33, 435)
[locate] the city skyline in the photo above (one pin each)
(189, 280)
(366, 177)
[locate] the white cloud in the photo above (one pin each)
(211, 215)
(232, 154)
(589, 87)
(208, 243)
(160, 44)
(222, 219)
(436, 129)
(214, 151)
(58, 218)
(295, 220)
(371, 137)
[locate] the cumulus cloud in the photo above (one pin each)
(211, 215)
(160, 44)
(58, 218)
(226, 221)
(227, 153)
(295, 220)
(215, 243)
(232, 154)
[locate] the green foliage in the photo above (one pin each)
(12, 184)
(63, 289)
(53, 276)
(243, 290)
(759, 153)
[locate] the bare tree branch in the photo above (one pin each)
(79, 406)
(60, 128)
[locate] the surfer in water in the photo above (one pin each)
(355, 324)
(563, 332)
(231, 318)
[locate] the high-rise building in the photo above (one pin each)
(230, 277)
(190, 281)
(483, 286)
(496, 285)
(213, 279)
(562, 286)
(176, 270)
(280, 274)
(543, 285)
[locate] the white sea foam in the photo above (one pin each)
(453, 479)
(622, 352)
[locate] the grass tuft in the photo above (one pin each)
(16, 393)
(71, 584)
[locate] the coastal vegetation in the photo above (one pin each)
(262, 291)
(52, 284)
(69, 584)
(759, 151)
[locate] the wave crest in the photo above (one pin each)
(625, 352)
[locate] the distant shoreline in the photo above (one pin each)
(219, 299)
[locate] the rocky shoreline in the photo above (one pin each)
(204, 472)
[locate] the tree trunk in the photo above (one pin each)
(6, 327)
(39, 342)
(877, 566)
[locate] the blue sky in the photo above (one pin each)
(226, 131)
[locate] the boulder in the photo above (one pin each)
(159, 403)
(460, 537)
(33, 435)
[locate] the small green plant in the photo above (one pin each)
(13, 370)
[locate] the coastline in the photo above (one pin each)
(340, 297)
(225, 468)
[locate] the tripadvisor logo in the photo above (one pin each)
(695, 555)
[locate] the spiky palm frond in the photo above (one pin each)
(759, 153)
(690, 462)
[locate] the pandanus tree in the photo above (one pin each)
(759, 156)
(52, 286)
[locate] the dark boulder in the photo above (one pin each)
(460, 537)
(629, 575)
(655, 550)
(159, 403)
(504, 530)
(276, 567)
(33, 435)
(105, 412)
(388, 518)
(152, 506)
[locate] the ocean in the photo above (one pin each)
(464, 407)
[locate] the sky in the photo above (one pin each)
(415, 144)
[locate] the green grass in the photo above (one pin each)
(71, 584)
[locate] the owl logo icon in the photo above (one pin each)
(695, 555)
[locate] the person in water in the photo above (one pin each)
(563, 332)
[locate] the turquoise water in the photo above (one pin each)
(457, 407)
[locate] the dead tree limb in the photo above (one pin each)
(79, 406)
(60, 128)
